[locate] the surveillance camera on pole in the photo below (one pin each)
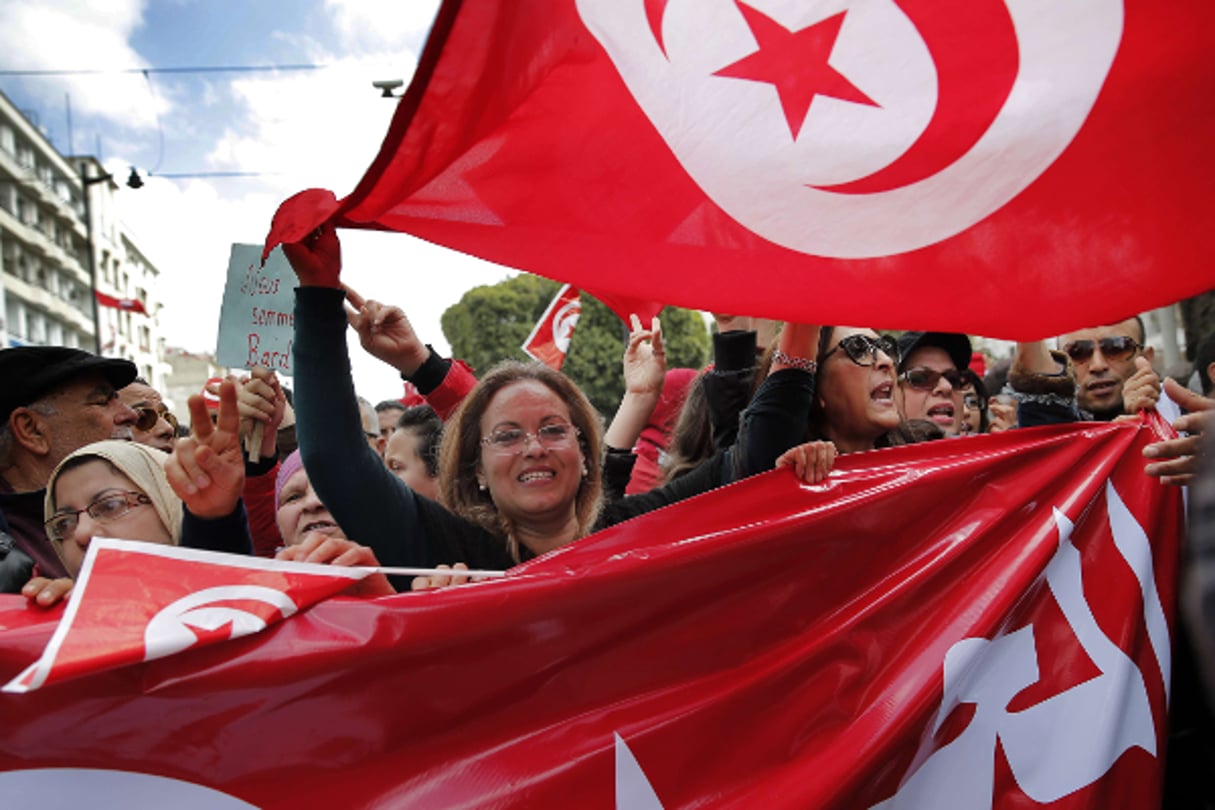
(386, 86)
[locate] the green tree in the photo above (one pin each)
(490, 323)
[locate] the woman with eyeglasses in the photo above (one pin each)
(972, 396)
(156, 426)
(520, 462)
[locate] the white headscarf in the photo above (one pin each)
(144, 465)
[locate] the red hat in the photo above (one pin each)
(978, 363)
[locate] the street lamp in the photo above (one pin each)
(133, 181)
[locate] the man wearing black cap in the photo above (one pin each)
(53, 400)
(929, 363)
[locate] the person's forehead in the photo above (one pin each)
(1128, 328)
(841, 332)
(87, 479)
(139, 393)
(82, 387)
(297, 481)
(932, 357)
(523, 400)
(401, 441)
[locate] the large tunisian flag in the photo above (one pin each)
(1048, 162)
(982, 622)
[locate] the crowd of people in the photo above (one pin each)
(485, 472)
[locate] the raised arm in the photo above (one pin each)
(778, 417)
(645, 365)
(386, 333)
(1044, 385)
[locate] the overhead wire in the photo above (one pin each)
(146, 71)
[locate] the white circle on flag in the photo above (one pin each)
(564, 321)
(75, 788)
(169, 631)
(734, 141)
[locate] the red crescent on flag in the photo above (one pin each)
(655, 10)
(974, 46)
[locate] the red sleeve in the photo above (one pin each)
(259, 503)
(451, 392)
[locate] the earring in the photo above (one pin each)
(482, 485)
(585, 471)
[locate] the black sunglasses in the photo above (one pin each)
(148, 417)
(862, 349)
(925, 379)
(1119, 347)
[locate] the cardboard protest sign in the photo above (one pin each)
(257, 320)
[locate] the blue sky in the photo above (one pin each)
(304, 129)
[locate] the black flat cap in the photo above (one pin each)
(957, 346)
(28, 373)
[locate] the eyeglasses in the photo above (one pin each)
(925, 379)
(972, 402)
(148, 417)
(1118, 347)
(862, 349)
(106, 509)
(514, 440)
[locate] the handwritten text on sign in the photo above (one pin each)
(257, 320)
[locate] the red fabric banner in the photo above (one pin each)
(978, 622)
(549, 341)
(1050, 162)
(141, 601)
(128, 304)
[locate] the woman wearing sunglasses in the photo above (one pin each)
(156, 426)
(930, 375)
(854, 405)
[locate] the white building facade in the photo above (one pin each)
(45, 286)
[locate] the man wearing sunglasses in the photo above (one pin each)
(1112, 371)
(929, 375)
(53, 401)
(156, 425)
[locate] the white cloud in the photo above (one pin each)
(363, 24)
(83, 35)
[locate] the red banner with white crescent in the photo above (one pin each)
(975, 623)
(550, 339)
(816, 162)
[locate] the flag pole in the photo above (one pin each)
(431, 572)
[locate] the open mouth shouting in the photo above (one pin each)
(942, 414)
(883, 394)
